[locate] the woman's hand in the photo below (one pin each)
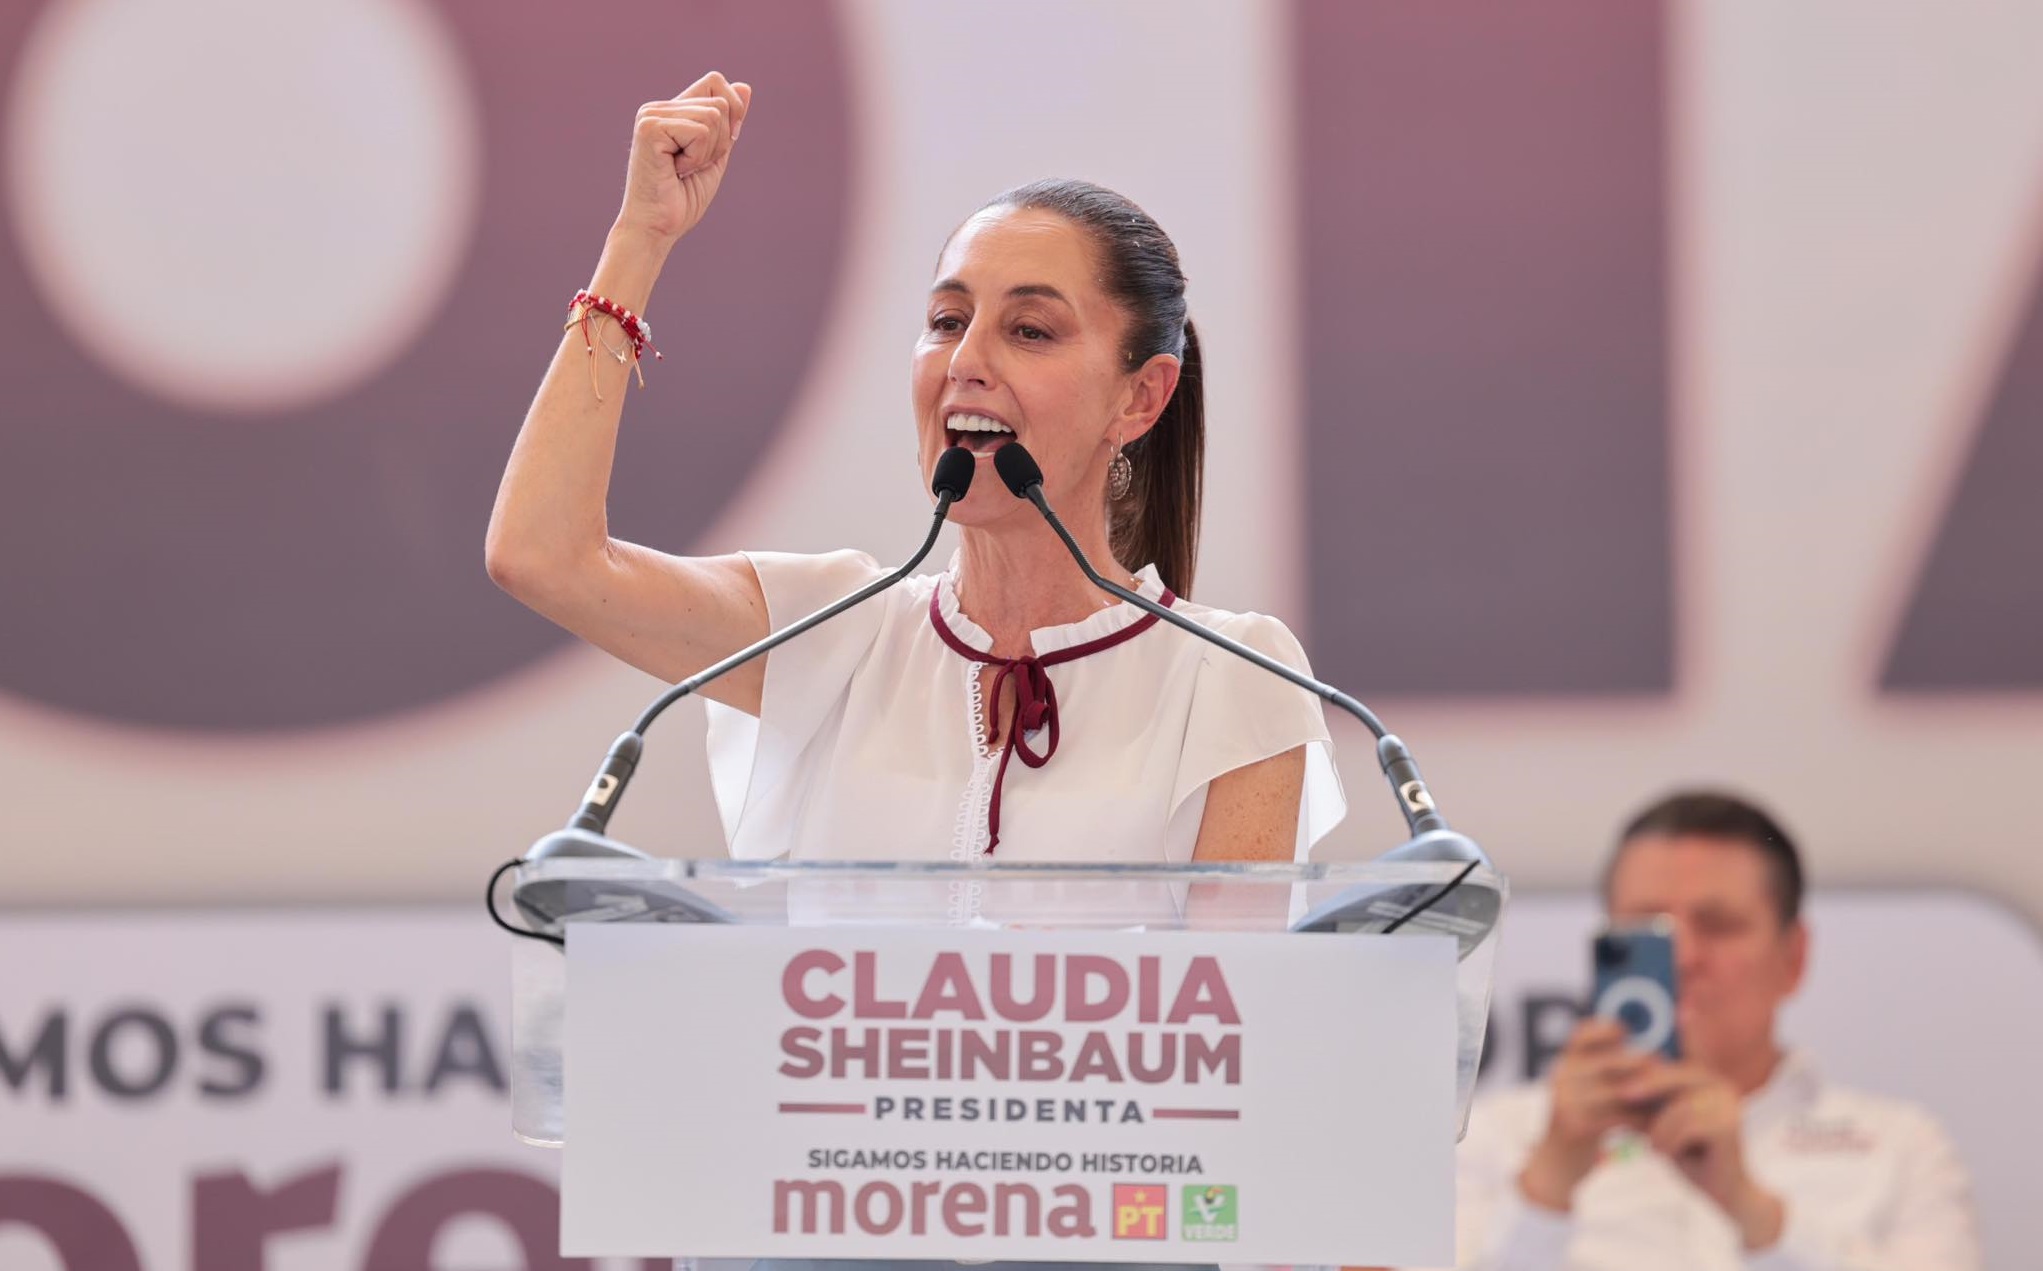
(679, 150)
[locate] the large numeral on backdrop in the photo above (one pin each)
(1976, 620)
(1484, 282)
(165, 565)
(1485, 343)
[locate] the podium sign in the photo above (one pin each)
(1084, 1096)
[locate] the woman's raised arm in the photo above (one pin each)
(549, 541)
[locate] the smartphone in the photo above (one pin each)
(1635, 984)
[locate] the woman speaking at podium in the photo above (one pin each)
(1004, 705)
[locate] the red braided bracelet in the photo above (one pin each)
(582, 309)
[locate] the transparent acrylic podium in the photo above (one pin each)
(1315, 901)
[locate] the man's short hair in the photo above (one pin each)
(1712, 814)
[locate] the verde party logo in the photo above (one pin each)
(1212, 1212)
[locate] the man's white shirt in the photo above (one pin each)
(1870, 1184)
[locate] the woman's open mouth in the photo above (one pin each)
(977, 433)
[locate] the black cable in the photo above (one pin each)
(489, 902)
(1431, 900)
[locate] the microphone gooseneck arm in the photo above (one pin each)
(954, 471)
(1025, 480)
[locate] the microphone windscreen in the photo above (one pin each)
(954, 469)
(1017, 467)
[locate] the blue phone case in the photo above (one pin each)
(1635, 984)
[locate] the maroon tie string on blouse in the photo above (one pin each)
(1035, 697)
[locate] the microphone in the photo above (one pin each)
(549, 902)
(1466, 912)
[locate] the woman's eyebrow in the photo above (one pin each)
(1042, 289)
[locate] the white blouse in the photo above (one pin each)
(869, 740)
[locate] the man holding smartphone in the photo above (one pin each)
(1735, 1155)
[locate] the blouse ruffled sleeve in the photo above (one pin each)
(754, 761)
(1241, 714)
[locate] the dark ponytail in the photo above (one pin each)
(1158, 522)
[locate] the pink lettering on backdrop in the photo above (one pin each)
(794, 984)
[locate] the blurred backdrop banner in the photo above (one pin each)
(1623, 394)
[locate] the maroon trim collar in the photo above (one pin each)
(1035, 695)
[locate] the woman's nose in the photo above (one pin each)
(969, 361)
